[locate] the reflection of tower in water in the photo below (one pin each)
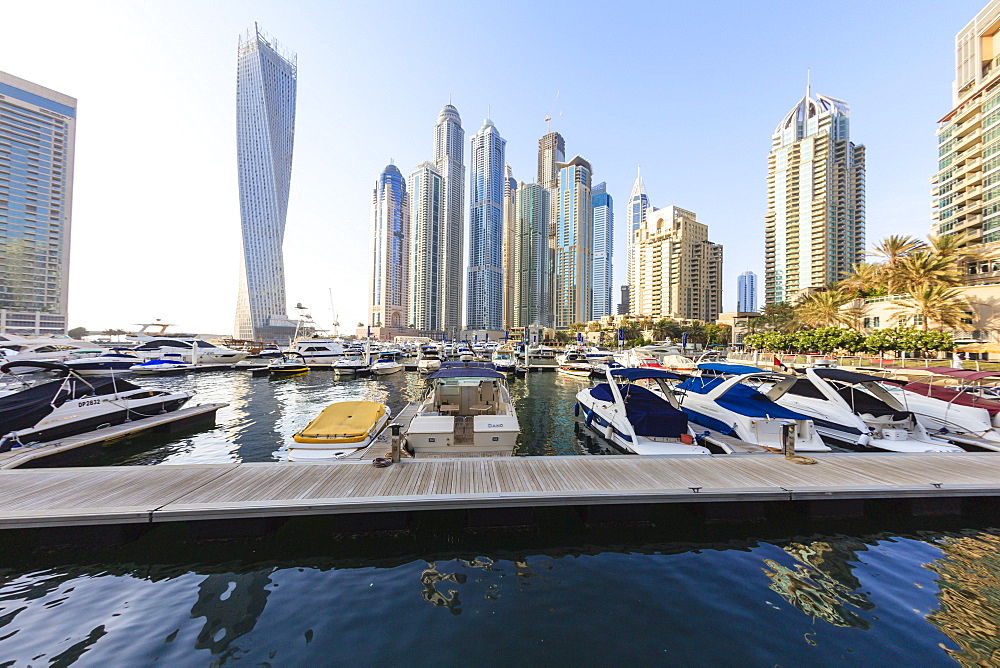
(821, 584)
(231, 605)
(430, 578)
(969, 581)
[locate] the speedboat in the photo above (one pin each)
(116, 359)
(635, 418)
(167, 364)
(284, 367)
(340, 429)
(857, 411)
(579, 369)
(72, 405)
(598, 355)
(466, 412)
(504, 360)
(429, 360)
(351, 366)
(15, 348)
(386, 364)
(727, 398)
(601, 370)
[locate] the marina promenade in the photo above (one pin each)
(154, 494)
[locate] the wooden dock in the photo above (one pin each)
(77, 497)
(76, 447)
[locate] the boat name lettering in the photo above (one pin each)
(494, 426)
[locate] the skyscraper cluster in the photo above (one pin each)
(539, 253)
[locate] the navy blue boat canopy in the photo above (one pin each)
(734, 369)
(637, 374)
(466, 372)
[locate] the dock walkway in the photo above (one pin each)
(150, 494)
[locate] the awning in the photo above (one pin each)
(979, 348)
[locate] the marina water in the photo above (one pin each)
(825, 593)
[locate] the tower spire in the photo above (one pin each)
(808, 84)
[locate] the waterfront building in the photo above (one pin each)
(449, 148)
(530, 294)
(623, 305)
(746, 292)
(390, 248)
(574, 251)
(815, 220)
(551, 153)
(638, 205)
(678, 271)
(37, 150)
(509, 245)
(484, 310)
(604, 222)
(965, 191)
(266, 78)
(426, 190)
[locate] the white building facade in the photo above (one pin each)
(449, 148)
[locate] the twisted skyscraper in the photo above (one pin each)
(265, 133)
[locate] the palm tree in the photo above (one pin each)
(923, 268)
(779, 317)
(897, 246)
(939, 303)
(823, 309)
(865, 278)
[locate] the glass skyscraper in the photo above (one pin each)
(509, 245)
(486, 187)
(604, 222)
(530, 294)
(638, 205)
(746, 292)
(37, 139)
(389, 290)
(265, 133)
(574, 253)
(814, 228)
(449, 147)
(426, 268)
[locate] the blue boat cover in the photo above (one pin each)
(649, 413)
(732, 369)
(636, 374)
(460, 372)
(742, 399)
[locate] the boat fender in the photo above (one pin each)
(864, 440)
(589, 418)
(576, 410)
(609, 432)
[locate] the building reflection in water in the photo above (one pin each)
(969, 581)
(431, 579)
(231, 604)
(821, 583)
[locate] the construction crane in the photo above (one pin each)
(548, 119)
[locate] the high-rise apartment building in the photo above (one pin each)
(604, 223)
(449, 148)
(265, 134)
(509, 245)
(484, 309)
(638, 205)
(37, 145)
(574, 251)
(746, 292)
(389, 289)
(551, 152)
(815, 220)
(426, 190)
(530, 294)
(966, 188)
(678, 271)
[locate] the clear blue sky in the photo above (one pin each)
(691, 93)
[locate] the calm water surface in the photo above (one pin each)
(655, 595)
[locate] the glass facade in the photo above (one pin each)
(265, 133)
(37, 137)
(484, 309)
(604, 222)
(530, 294)
(426, 266)
(746, 292)
(390, 247)
(638, 205)
(449, 149)
(574, 254)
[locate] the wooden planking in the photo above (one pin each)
(58, 497)
(21, 456)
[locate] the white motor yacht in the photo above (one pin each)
(170, 363)
(191, 350)
(428, 360)
(504, 359)
(466, 412)
(857, 411)
(15, 348)
(635, 418)
(386, 363)
(73, 405)
(116, 359)
(727, 398)
(319, 351)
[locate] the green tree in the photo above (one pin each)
(823, 309)
(77, 332)
(939, 303)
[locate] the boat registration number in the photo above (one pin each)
(89, 402)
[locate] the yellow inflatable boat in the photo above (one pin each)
(342, 428)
